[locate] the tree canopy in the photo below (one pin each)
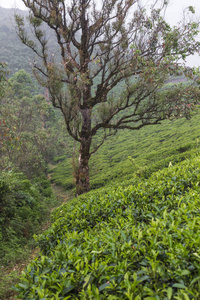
(29, 135)
(109, 69)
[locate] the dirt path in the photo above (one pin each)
(62, 197)
(61, 193)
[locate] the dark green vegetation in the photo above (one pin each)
(137, 241)
(29, 139)
(23, 207)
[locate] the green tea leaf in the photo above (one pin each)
(195, 280)
(179, 285)
(103, 286)
(169, 292)
(24, 286)
(68, 289)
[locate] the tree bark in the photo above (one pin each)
(82, 178)
(82, 181)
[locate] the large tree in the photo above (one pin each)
(108, 71)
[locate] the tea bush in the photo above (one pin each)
(139, 241)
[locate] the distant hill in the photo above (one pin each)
(17, 55)
(12, 51)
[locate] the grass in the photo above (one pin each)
(9, 275)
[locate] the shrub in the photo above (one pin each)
(23, 208)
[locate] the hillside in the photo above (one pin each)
(113, 158)
(130, 151)
(134, 236)
(12, 51)
(137, 241)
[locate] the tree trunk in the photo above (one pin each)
(82, 178)
(82, 181)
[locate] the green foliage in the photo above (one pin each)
(3, 73)
(8, 278)
(191, 9)
(27, 142)
(22, 85)
(23, 207)
(29, 139)
(24, 210)
(136, 242)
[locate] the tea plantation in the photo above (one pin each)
(151, 145)
(140, 240)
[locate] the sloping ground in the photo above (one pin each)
(151, 145)
(139, 241)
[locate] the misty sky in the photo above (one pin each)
(173, 15)
(175, 8)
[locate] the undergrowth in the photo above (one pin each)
(24, 209)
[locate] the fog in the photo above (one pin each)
(174, 13)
